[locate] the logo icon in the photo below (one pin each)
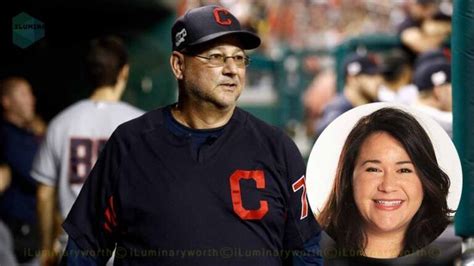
(180, 37)
(26, 30)
(219, 16)
(354, 68)
(439, 78)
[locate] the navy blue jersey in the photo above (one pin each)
(17, 149)
(240, 200)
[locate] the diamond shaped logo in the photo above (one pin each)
(26, 30)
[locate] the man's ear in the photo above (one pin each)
(177, 64)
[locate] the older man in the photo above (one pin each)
(199, 182)
(20, 135)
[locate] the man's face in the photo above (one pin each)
(20, 101)
(214, 84)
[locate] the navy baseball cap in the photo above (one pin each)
(207, 23)
(432, 73)
(356, 64)
(432, 55)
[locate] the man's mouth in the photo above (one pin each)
(230, 86)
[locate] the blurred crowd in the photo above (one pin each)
(315, 24)
(398, 75)
(416, 74)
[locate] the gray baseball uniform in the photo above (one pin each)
(72, 144)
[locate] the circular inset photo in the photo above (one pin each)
(383, 180)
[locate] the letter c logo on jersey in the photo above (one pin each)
(218, 16)
(236, 195)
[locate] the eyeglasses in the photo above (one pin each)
(220, 59)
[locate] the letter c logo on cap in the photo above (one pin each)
(218, 12)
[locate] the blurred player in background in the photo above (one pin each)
(425, 28)
(433, 80)
(76, 136)
(396, 87)
(20, 135)
(362, 80)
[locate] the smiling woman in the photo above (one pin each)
(389, 194)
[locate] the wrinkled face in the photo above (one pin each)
(217, 85)
(387, 189)
(20, 101)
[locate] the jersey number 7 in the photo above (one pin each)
(259, 177)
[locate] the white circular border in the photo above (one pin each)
(324, 156)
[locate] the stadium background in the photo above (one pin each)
(301, 40)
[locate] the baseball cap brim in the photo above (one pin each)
(248, 39)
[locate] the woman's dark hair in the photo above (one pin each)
(340, 216)
(105, 59)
